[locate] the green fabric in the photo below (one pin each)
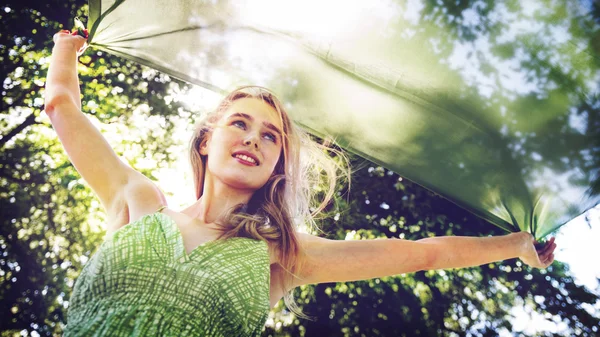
(493, 105)
(141, 282)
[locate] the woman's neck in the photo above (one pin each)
(217, 198)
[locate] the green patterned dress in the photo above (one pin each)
(141, 282)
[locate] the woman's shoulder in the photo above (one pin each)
(139, 197)
(274, 252)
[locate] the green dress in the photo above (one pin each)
(141, 282)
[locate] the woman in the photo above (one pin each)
(214, 268)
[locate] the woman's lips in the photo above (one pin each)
(246, 159)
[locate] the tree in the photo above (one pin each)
(50, 221)
(472, 301)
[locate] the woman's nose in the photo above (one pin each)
(251, 139)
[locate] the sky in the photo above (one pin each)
(578, 246)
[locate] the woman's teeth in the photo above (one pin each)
(246, 158)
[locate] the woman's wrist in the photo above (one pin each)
(66, 42)
(522, 241)
(64, 46)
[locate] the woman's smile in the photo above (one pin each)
(246, 158)
(249, 132)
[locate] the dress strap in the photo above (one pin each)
(161, 208)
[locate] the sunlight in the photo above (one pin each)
(328, 18)
(197, 99)
(578, 247)
(176, 181)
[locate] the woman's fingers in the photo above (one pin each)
(539, 256)
(550, 249)
(80, 32)
(546, 254)
(59, 33)
(551, 240)
(550, 245)
(68, 38)
(548, 261)
(547, 250)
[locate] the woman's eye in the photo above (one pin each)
(239, 124)
(271, 137)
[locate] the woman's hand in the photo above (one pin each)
(62, 84)
(67, 40)
(541, 257)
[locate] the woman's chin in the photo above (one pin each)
(245, 183)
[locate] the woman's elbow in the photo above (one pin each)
(430, 256)
(56, 100)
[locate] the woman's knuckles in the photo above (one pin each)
(66, 39)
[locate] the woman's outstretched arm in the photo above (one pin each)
(338, 260)
(87, 149)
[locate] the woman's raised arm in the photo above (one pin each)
(87, 149)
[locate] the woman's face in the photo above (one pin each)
(245, 145)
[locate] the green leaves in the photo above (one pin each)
(477, 300)
(51, 222)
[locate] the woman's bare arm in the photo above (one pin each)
(338, 260)
(87, 149)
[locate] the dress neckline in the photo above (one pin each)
(177, 238)
(180, 241)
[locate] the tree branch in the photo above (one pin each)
(30, 120)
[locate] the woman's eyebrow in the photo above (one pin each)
(240, 114)
(272, 128)
(250, 118)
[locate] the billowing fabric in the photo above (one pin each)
(141, 282)
(491, 104)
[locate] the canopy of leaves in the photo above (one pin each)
(493, 105)
(51, 222)
(49, 218)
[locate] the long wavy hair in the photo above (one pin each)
(301, 186)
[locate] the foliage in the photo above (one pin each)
(472, 301)
(50, 221)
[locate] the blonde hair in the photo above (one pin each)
(290, 195)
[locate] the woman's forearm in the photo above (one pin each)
(62, 83)
(461, 252)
